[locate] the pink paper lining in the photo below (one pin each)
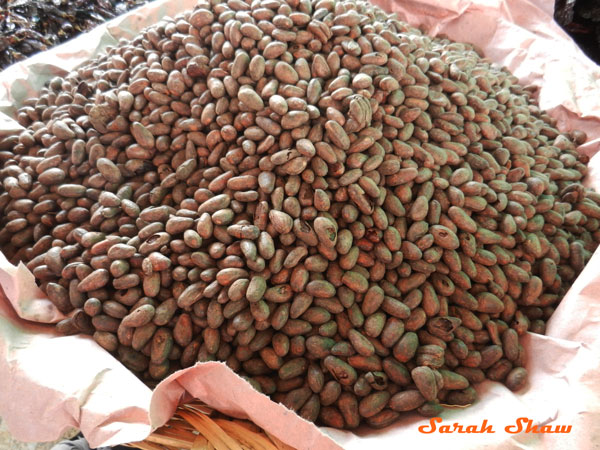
(49, 382)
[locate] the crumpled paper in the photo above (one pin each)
(49, 382)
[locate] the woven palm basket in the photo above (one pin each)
(195, 426)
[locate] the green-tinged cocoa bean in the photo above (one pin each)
(406, 347)
(159, 371)
(430, 356)
(142, 335)
(319, 346)
(320, 288)
(424, 379)
(499, 370)
(365, 363)
(190, 295)
(132, 359)
(430, 409)
(164, 312)
(462, 398)
(183, 332)
(162, 343)
(114, 309)
(331, 417)
(474, 375)
(125, 334)
(140, 316)
(315, 378)
(407, 400)
(489, 303)
(340, 370)
(392, 332)
(105, 323)
(59, 296)
(95, 280)
(453, 380)
(330, 393)
(489, 356)
(395, 308)
(373, 299)
(256, 289)
(296, 398)
(293, 368)
(516, 379)
(348, 406)
(510, 344)
(383, 418)
(300, 305)
(310, 410)
(106, 340)
(373, 403)
(396, 371)
(360, 343)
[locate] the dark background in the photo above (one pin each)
(581, 19)
(30, 26)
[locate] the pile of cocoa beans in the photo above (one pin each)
(359, 219)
